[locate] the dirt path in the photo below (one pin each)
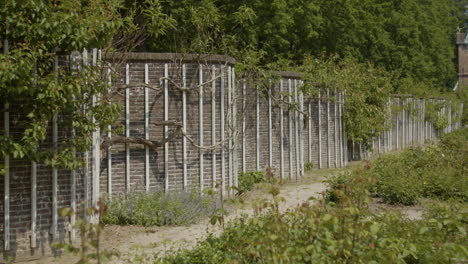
(138, 244)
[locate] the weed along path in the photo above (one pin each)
(137, 244)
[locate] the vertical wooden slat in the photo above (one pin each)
(6, 179)
(301, 128)
(296, 130)
(6, 182)
(96, 146)
(328, 129)
(109, 149)
(309, 126)
(147, 136)
(270, 128)
(166, 128)
(336, 128)
(223, 161)
(184, 127)
(345, 138)
(213, 126)
(86, 154)
(234, 129)
(340, 115)
(389, 133)
(257, 126)
(54, 169)
(397, 126)
(281, 131)
(319, 130)
(449, 110)
(200, 126)
(34, 189)
(290, 129)
(244, 87)
(127, 129)
(230, 134)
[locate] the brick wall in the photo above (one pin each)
(128, 164)
(408, 128)
(218, 69)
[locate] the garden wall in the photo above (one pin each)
(411, 121)
(217, 126)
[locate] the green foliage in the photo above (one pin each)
(412, 40)
(434, 171)
(247, 180)
(432, 114)
(38, 32)
(341, 232)
(366, 91)
(158, 209)
(308, 166)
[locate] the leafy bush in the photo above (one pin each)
(247, 180)
(335, 183)
(308, 166)
(158, 209)
(343, 232)
(435, 171)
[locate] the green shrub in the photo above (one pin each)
(337, 183)
(247, 180)
(308, 166)
(342, 233)
(436, 171)
(158, 209)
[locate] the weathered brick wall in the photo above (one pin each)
(21, 202)
(298, 123)
(125, 167)
(408, 128)
(218, 69)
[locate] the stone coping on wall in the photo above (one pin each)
(287, 74)
(175, 57)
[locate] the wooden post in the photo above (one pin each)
(54, 169)
(340, 121)
(328, 128)
(301, 130)
(290, 129)
(397, 126)
(147, 162)
(243, 126)
(127, 129)
(86, 156)
(200, 126)
(230, 134)
(184, 127)
(6, 182)
(270, 129)
(109, 149)
(34, 190)
(166, 128)
(309, 140)
(96, 145)
(6, 179)
(223, 172)
(213, 126)
(234, 128)
(335, 122)
(257, 126)
(281, 131)
(296, 128)
(319, 130)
